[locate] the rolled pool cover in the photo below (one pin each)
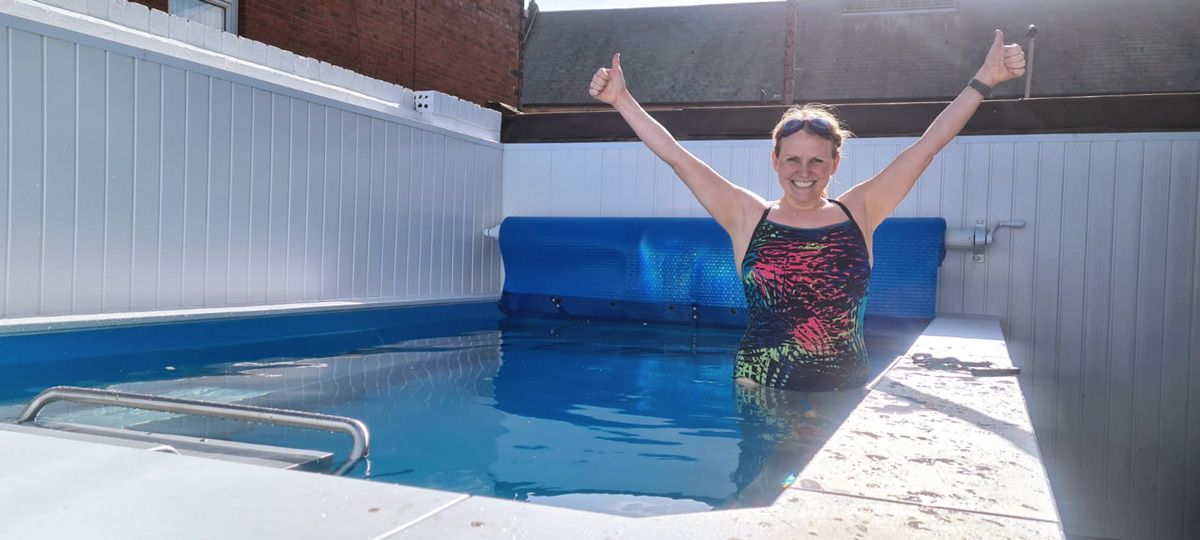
(681, 269)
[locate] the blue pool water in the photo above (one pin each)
(627, 418)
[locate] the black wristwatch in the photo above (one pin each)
(981, 87)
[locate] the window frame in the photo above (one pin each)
(231, 12)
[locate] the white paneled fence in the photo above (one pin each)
(128, 184)
(1099, 293)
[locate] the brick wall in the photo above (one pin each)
(465, 48)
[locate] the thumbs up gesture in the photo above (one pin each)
(608, 84)
(1003, 62)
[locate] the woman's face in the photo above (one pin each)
(805, 164)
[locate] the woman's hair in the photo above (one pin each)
(836, 134)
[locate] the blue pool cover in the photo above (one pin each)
(681, 269)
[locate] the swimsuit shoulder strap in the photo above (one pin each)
(763, 218)
(844, 209)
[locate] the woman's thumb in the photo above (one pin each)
(999, 41)
(616, 62)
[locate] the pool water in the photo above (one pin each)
(626, 418)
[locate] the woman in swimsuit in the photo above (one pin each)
(805, 259)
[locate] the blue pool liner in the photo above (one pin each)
(681, 269)
(34, 360)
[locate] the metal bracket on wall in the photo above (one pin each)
(977, 238)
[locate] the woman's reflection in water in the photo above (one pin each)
(781, 432)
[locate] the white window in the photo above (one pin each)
(220, 14)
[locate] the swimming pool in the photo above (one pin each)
(626, 418)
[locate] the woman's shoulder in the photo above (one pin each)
(854, 201)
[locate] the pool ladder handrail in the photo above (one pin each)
(284, 417)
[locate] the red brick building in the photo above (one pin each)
(465, 48)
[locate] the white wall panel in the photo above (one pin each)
(1094, 353)
(278, 155)
(58, 255)
(220, 134)
(1181, 280)
(237, 282)
(950, 282)
(1099, 293)
(1147, 380)
(171, 188)
(5, 155)
(1122, 342)
(118, 197)
(297, 195)
(140, 184)
(147, 185)
(26, 57)
(195, 187)
(314, 216)
(90, 179)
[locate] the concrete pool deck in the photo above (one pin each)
(928, 453)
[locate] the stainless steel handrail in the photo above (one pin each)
(284, 417)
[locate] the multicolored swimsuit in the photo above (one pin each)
(805, 290)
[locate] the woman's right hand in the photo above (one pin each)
(608, 84)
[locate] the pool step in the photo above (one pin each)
(255, 454)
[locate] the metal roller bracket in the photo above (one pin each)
(983, 237)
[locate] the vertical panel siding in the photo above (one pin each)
(1177, 314)
(26, 60)
(360, 224)
(1192, 472)
(195, 187)
(997, 288)
(237, 283)
(975, 197)
(348, 136)
(58, 256)
(147, 182)
(440, 237)
(90, 92)
(5, 169)
(118, 198)
(404, 193)
(1018, 322)
(297, 199)
(1147, 376)
(278, 155)
(1118, 489)
(1099, 294)
(388, 230)
(171, 189)
(1095, 359)
(1047, 277)
(138, 185)
(220, 160)
(416, 227)
(314, 217)
(330, 249)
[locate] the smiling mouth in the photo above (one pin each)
(803, 184)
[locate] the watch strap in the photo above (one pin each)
(981, 87)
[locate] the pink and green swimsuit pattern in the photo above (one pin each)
(805, 290)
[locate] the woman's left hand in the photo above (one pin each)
(1003, 62)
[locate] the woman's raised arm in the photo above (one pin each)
(726, 202)
(883, 193)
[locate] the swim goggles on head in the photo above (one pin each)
(817, 125)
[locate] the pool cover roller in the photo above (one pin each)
(681, 269)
